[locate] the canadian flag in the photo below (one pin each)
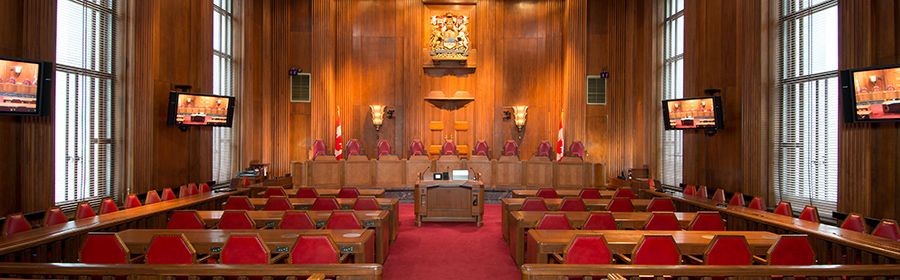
(338, 146)
(560, 142)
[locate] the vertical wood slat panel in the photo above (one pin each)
(141, 50)
(323, 71)
(281, 148)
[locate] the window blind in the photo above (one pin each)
(806, 105)
(223, 84)
(671, 152)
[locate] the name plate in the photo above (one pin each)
(346, 249)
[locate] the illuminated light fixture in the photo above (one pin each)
(377, 115)
(519, 113)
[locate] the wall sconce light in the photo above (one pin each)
(18, 70)
(873, 78)
(519, 112)
(378, 112)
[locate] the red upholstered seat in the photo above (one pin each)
(600, 220)
(662, 221)
(245, 249)
(238, 203)
(314, 249)
(274, 191)
(784, 208)
(192, 189)
(534, 204)
(348, 193)
(624, 192)
(204, 188)
(719, 196)
(170, 249)
(810, 213)
(554, 221)
(278, 203)
(318, 148)
(384, 148)
(185, 219)
(416, 148)
(887, 228)
(737, 199)
(758, 204)
(183, 192)
(620, 204)
(448, 148)
(296, 219)
(343, 219)
(576, 149)
(15, 223)
(152, 197)
(107, 205)
(791, 249)
(54, 216)
(589, 194)
(481, 148)
(656, 250)
(588, 249)
(236, 219)
(168, 194)
(572, 204)
(707, 220)
(663, 204)
(246, 180)
(132, 201)
(702, 192)
(728, 250)
(546, 193)
(104, 248)
(326, 204)
(353, 147)
(510, 148)
(544, 149)
(854, 222)
(689, 190)
(306, 193)
(366, 203)
(84, 210)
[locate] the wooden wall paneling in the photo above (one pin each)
(508, 172)
(410, 105)
(322, 71)
(486, 111)
(753, 17)
(11, 127)
(575, 71)
(484, 166)
(282, 58)
(416, 165)
(389, 171)
(344, 78)
(359, 171)
(139, 134)
(326, 172)
(538, 172)
(597, 60)
(299, 54)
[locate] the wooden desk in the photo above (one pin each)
(204, 271)
(379, 193)
(358, 242)
(379, 221)
(513, 204)
(542, 243)
(259, 189)
(389, 204)
(562, 271)
(449, 201)
(560, 193)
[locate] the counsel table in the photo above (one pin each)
(334, 192)
(560, 193)
(390, 204)
(513, 204)
(358, 242)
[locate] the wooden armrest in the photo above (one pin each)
(317, 276)
(623, 258)
(695, 259)
(558, 258)
(278, 258)
(138, 259)
(343, 258)
(206, 258)
(758, 260)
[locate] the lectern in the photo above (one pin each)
(449, 201)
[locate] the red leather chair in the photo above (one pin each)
(152, 197)
(326, 204)
(737, 199)
(510, 148)
(576, 149)
(104, 248)
(183, 191)
(84, 210)
(170, 249)
(274, 191)
(131, 201)
(791, 249)
(589, 194)
(296, 219)
(246, 181)
(719, 196)
(707, 220)
(168, 194)
(416, 148)
(662, 221)
(107, 205)
(810, 213)
(544, 149)
(624, 192)
(15, 223)
(534, 204)
(343, 219)
(663, 204)
(384, 148)
(236, 219)
(546, 193)
(689, 190)
(204, 188)
(353, 148)
(728, 250)
(887, 228)
(306, 193)
(314, 249)
(784, 208)
(572, 204)
(366, 203)
(481, 149)
(449, 148)
(702, 192)
(245, 249)
(620, 204)
(656, 250)
(758, 204)
(185, 219)
(588, 248)
(348, 193)
(54, 216)
(239, 202)
(192, 189)
(854, 222)
(600, 220)
(318, 148)
(554, 221)
(278, 203)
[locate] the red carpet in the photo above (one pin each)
(450, 250)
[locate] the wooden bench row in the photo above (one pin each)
(684, 272)
(216, 271)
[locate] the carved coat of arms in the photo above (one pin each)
(449, 36)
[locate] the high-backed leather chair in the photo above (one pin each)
(589, 194)
(366, 203)
(572, 204)
(168, 194)
(326, 204)
(296, 219)
(314, 249)
(416, 148)
(170, 249)
(662, 221)
(624, 192)
(15, 223)
(481, 149)
(620, 204)
(737, 199)
(810, 213)
(576, 149)
(152, 197)
(278, 203)
(204, 188)
(104, 248)
(588, 248)
(854, 222)
(656, 250)
(353, 147)
(544, 149)
(510, 148)
(107, 205)
(384, 148)
(758, 204)
(343, 219)
(306, 193)
(707, 220)
(784, 208)
(600, 220)
(348, 193)
(274, 191)
(192, 189)
(719, 196)
(54, 216)
(554, 221)
(186, 219)
(245, 249)
(702, 192)
(84, 210)
(546, 193)
(791, 249)
(534, 204)
(689, 190)
(887, 228)
(236, 219)
(238, 202)
(449, 148)
(663, 204)
(132, 201)
(728, 250)
(318, 148)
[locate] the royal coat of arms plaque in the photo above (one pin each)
(449, 37)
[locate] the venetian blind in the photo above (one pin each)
(806, 108)
(85, 134)
(223, 84)
(671, 155)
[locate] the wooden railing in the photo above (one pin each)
(682, 272)
(158, 271)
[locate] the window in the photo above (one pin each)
(85, 134)
(672, 87)
(806, 105)
(223, 84)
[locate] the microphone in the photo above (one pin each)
(474, 174)
(423, 172)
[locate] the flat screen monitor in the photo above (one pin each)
(871, 94)
(25, 87)
(195, 109)
(697, 113)
(459, 174)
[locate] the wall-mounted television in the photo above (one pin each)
(195, 109)
(25, 87)
(871, 94)
(696, 113)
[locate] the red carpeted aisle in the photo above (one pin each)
(450, 250)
